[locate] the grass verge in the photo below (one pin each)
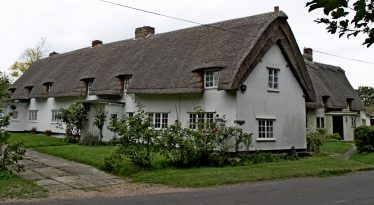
(336, 147)
(13, 187)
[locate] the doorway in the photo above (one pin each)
(337, 125)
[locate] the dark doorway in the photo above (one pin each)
(337, 125)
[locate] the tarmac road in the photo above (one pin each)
(357, 188)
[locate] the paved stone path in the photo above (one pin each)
(56, 174)
(349, 153)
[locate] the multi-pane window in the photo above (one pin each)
(211, 79)
(363, 122)
(353, 122)
(14, 115)
(273, 78)
(265, 128)
(130, 114)
(320, 122)
(33, 115)
(158, 120)
(89, 86)
(201, 120)
(126, 82)
(54, 115)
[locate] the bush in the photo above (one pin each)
(90, 139)
(334, 136)
(48, 132)
(10, 154)
(364, 139)
(314, 142)
(33, 130)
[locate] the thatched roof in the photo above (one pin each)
(332, 88)
(168, 63)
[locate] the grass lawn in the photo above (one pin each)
(336, 147)
(364, 158)
(16, 187)
(91, 155)
(33, 140)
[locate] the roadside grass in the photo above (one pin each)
(336, 147)
(15, 187)
(364, 158)
(34, 140)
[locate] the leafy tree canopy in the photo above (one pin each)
(366, 94)
(347, 17)
(28, 57)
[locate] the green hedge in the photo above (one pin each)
(364, 139)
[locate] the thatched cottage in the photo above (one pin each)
(248, 69)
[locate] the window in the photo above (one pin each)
(14, 115)
(265, 129)
(353, 121)
(273, 78)
(320, 122)
(158, 120)
(211, 79)
(49, 87)
(33, 115)
(54, 116)
(126, 82)
(89, 86)
(363, 122)
(130, 114)
(201, 120)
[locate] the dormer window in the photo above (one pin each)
(211, 79)
(12, 90)
(48, 86)
(126, 82)
(28, 88)
(89, 86)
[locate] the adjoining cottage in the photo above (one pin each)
(338, 108)
(249, 70)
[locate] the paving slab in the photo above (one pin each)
(56, 174)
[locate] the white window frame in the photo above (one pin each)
(89, 86)
(126, 82)
(353, 122)
(273, 79)
(33, 115)
(363, 122)
(49, 87)
(204, 119)
(54, 113)
(159, 120)
(211, 79)
(265, 129)
(320, 122)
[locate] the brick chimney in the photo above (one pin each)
(96, 43)
(276, 9)
(308, 54)
(144, 32)
(53, 53)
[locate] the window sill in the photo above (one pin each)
(14, 120)
(272, 90)
(32, 121)
(265, 140)
(211, 88)
(54, 123)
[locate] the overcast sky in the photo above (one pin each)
(72, 24)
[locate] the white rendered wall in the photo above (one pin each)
(286, 107)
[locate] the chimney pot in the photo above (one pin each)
(53, 53)
(144, 32)
(96, 43)
(308, 54)
(276, 9)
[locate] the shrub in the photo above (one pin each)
(33, 130)
(136, 140)
(334, 136)
(89, 139)
(48, 132)
(100, 116)
(364, 139)
(314, 142)
(10, 154)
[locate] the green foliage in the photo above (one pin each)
(28, 57)
(10, 153)
(347, 17)
(136, 140)
(364, 139)
(100, 116)
(74, 117)
(314, 142)
(366, 94)
(29, 140)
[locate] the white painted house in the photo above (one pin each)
(248, 69)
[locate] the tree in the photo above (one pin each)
(366, 94)
(28, 57)
(347, 17)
